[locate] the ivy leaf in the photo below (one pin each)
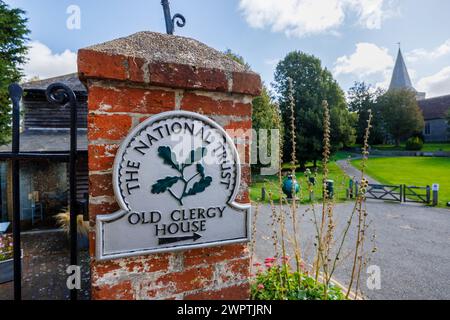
(169, 157)
(201, 169)
(196, 156)
(200, 186)
(162, 185)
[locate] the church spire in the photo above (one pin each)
(400, 77)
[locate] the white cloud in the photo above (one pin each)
(368, 59)
(272, 61)
(437, 84)
(306, 17)
(436, 53)
(43, 63)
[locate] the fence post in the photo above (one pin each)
(350, 189)
(428, 194)
(435, 194)
(402, 193)
(263, 194)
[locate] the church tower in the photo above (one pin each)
(400, 77)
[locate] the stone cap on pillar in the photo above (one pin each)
(168, 61)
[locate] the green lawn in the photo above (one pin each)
(412, 171)
(428, 147)
(270, 183)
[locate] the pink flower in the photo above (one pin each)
(285, 259)
(261, 287)
(270, 260)
(269, 265)
(257, 264)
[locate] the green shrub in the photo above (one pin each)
(281, 283)
(414, 144)
(6, 247)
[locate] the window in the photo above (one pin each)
(428, 128)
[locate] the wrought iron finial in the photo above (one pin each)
(179, 19)
(15, 92)
(60, 94)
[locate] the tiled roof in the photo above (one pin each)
(435, 108)
(70, 80)
(48, 141)
(400, 77)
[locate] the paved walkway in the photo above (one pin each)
(413, 244)
(46, 257)
(351, 171)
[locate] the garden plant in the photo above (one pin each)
(6, 247)
(284, 278)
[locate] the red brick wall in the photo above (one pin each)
(119, 99)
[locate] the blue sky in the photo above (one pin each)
(355, 39)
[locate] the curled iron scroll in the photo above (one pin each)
(60, 94)
(179, 19)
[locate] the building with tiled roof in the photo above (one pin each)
(435, 110)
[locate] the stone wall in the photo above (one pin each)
(127, 87)
(438, 131)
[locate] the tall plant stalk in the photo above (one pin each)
(294, 175)
(360, 202)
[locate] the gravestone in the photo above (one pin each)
(169, 202)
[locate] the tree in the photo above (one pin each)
(238, 58)
(312, 84)
(361, 99)
(401, 114)
(13, 49)
(265, 111)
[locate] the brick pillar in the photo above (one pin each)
(129, 80)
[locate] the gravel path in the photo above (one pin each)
(353, 172)
(413, 244)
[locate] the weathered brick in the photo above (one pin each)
(237, 292)
(153, 263)
(236, 271)
(93, 64)
(101, 185)
(214, 255)
(239, 125)
(188, 280)
(246, 174)
(206, 105)
(103, 208)
(120, 291)
(101, 157)
(137, 70)
(247, 83)
(243, 197)
(108, 127)
(133, 100)
(187, 77)
(92, 246)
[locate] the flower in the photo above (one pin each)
(257, 264)
(270, 260)
(261, 286)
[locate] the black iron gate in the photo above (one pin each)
(60, 94)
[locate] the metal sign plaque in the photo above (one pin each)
(176, 178)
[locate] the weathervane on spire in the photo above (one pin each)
(170, 21)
